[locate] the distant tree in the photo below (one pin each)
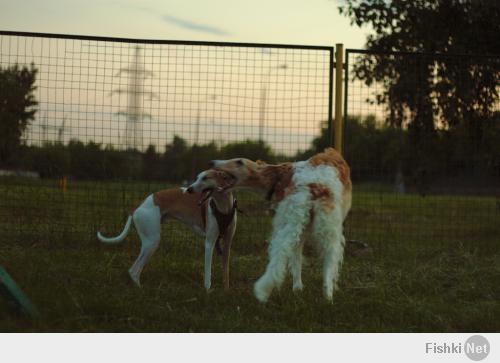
(427, 93)
(318, 144)
(87, 161)
(463, 87)
(372, 150)
(51, 160)
(251, 149)
(175, 164)
(17, 107)
(118, 164)
(200, 156)
(150, 164)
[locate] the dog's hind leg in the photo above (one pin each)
(147, 220)
(327, 231)
(288, 226)
(281, 249)
(296, 266)
(149, 246)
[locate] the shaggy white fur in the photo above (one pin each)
(292, 218)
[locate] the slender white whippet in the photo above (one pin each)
(207, 207)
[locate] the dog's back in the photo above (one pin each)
(174, 203)
(333, 158)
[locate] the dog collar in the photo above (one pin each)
(223, 221)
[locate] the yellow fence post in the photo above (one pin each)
(339, 67)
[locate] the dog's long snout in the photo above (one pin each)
(189, 190)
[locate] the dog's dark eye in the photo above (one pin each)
(204, 178)
(239, 162)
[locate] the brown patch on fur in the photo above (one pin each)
(173, 202)
(277, 179)
(331, 157)
(223, 179)
(253, 178)
(321, 193)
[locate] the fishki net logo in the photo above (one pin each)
(476, 348)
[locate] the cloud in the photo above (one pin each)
(191, 25)
(174, 20)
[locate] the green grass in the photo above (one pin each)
(435, 267)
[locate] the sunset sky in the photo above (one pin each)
(314, 22)
(201, 94)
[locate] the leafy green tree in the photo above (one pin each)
(150, 163)
(318, 144)
(372, 150)
(118, 164)
(17, 108)
(431, 93)
(175, 164)
(51, 160)
(200, 156)
(462, 87)
(251, 149)
(87, 160)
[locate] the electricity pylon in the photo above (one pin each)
(132, 138)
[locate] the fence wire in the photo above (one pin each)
(422, 134)
(119, 118)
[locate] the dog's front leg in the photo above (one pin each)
(211, 237)
(226, 253)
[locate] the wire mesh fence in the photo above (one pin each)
(110, 120)
(422, 133)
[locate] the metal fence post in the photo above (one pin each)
(339, 65)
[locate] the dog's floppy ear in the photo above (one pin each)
(279, 177)
(219, 174)
(223, 179)
(224, 175)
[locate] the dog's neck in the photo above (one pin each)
(274, 179)
(223, 201)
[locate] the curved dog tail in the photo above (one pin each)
(118, 238)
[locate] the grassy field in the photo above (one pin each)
(435, 267)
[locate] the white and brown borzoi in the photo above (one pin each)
(312, 199)
(210, 213)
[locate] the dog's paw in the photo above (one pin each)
(328, 294)
(261, 291)
(135, 279)
(298, 286)
(183, 190)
